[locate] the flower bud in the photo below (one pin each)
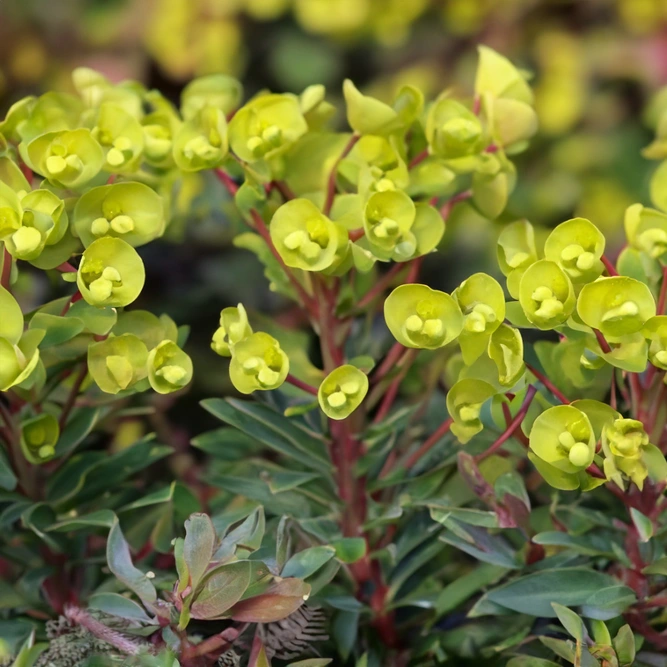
(342, 391)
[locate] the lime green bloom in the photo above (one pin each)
(69, 159)
(266, 127)
(305, 238)
(16, 116)
(131, 211)
(628, 453)
(655, 330)
(375, 165)
(464, 403)
(576, 246)
(492, 184)
(423, 318)
(388, 219)
(516, 251)
(121, 136)
(111, 273)
(169, 368)
(455, 134)
(19, 353)
(218, 91)
(118, 362)
(149, 328)
(482, 302)
(505, 349)
(366, 115)
(617, 306)
(546, 294)
(563, 437)
(497, 76)
(342, 391)
(646, 230)
(29, 221)
(51, 112)
(96, 90)
(201, 141)
(159, 128)
(39, 437)
(234, 327)
(258, 363)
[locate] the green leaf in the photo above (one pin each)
(78, 427)
(624, 645)
(350, 549)
(571, 621)
(307, 562)
(530, 661)
(8, 479)
(220, 589)
(312, 662)
(278, 601)
(118, 605)
(198, 546)
(120, 564)
(58, 329)
(101, 518)
(274, 430)
(533, 594)
(643, 524)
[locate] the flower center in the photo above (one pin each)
(653, 242)
(547, 304)
(174, 375)
(577, 452)
(157, 140)
(477, 318)
(576, 259)
(266, 369)
(26, 240)
(266, 139)
(310, 242)
(626, 309)
(342, 393)
(101, 283)
(120, 369)
(61, 162)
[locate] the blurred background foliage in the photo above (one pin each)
(596, 65)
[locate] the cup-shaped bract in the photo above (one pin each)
(375, 165)
(11, 322)
(111, 273)
(118, 362)
(266, 127)
(367, 115)
(258, 363)
(50, 112)
(454, 134)
(201, 142)
(505, 348)
(563, 436)
(576, 246)
(121, 137)
(160, 128)
(546, 294)
(629, 453)
(130, 211)
(464, 402)
(39, 436)
(617, 305)
(516, 251)
(19, 360)
(342, 391)
(497, 76)
(11, 212)
(96, 90)
(423, 237)
(421, 317)
(646, 230)
(655, 331)
(149, 328)
(388, 219)
(69, 159)
(305, 238)
(218, 91)
(169, 367)
(482, 302)
(234, 327)
(46, 203)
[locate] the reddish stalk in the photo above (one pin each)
(392, 391)
(611, 269)
(429, 443)
(227, 181)
(417, 159)
(71, 398)
(390, 360)
(446, 208)
(304, 386)
(284, 190)
(549, 385)
(380, 286)
(331, 183)
(6, 269)
(663, 293)
(602, 341)
(509, 431)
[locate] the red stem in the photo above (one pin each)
(509, 431)
(420, 157)
(611, 269)
(227, 181)
(391, 393)
(6, 269)
(284, 190)
(446, 208)
(390, 360)
(549, 385)
(380, 286)
(304, 386)
(432, 440)
(663, 292)
(602, 341)
(331, 183)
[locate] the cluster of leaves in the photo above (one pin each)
(340, 483)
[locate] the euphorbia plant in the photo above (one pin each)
(419, 458)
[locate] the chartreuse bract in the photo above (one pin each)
(398, 432)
